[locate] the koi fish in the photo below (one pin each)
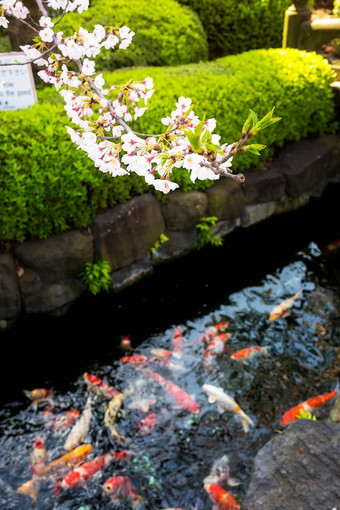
(215, 347)
(99, 387)
(137, 360)
(213, 331)
(125, 344)
(80, 429)
(331, 246)
(220, 472)
(39, 395)
(227, 403)
(38, 456)
(64, 421)
(149, 422)
(55, 469)
(81, 474)
(177, 342)
(221, 498)
(111, 413)
(120, 488)
(248, 352)
(282, 310)
(181, 398)
(307, 406)
(161, 354)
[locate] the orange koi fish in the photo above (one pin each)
(149, 422)
(99, 387)
(80, 429)
(307, 406)
(38, 456)
(55, 469)
(221, 498)
(137, 360)
(249, 352)
(120, 488)
(81, 474)
(181, 398)
(283, 308)
(213, 331)
(215, 347)
(177, 342)
(63, 421)
(39, 395)
(331, 246)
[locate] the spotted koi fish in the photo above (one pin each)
(248, 352)
(177, 342)
(38, 456)
(181, 398)
(307, 406)
(221, 498)
(214, 330)
(137, 360)
(54, 470)
(81, 474)
(39, 395)
(215, 347)
(282, 310)
(99, 387)
(120, 488)
(111, 413)
(80, 429)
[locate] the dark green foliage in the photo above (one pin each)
(233, 27)
(166, 33)
(97, 276)
(47, 185)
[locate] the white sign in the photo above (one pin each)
(18, 87)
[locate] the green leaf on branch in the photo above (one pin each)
(266, 121)
(254, 148)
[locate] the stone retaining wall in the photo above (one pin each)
(42, 276)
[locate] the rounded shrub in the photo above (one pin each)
(166, 33)
(234, 27)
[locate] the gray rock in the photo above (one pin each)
(257, 212)
(263, 186)
(126, 233)
(129, 275)
(57, 258)
(333, 143)
(10, 305)
(334, 415)
(304, 164)
(179, 244)
(183, 210)
(287, 204)
(225, 199)
(297, 470)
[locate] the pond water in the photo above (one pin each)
(239, 284)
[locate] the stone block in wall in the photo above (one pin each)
(226, 199)
(179, 244)
(257, 212)
(129, 275)
(39, 296)
(57, 258)
(304, 164)
(10, 305)
(333, 143)
(263, 186)
(125, 234)
(183, 210)
(288, 204)
(223, 228)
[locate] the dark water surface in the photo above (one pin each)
(256, 269)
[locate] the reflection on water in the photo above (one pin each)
(172, 447)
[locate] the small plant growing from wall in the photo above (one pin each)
(158, 243)
(97, 276)
(205, 235)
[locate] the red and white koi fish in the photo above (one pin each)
(81, 474)
(111, 413)
(38, 456)
(177, 342)
(120, 488)
(307, 406)
(125, 344)
(62, 422)
(39, 395)
(80, 429)
(137, 360)
(163, 357)
(215, 347)
(221, 498)
(331, 246)
(213, 331)
(227, 403)
(99, 387)
(149, 422)
(161, 354)
(181, 398)
(282, 310)
(248, 352)
(54, 470)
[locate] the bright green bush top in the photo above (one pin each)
(166, 33)
(234, 27)
(47, 185)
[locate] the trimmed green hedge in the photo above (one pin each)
(234, 27)
(166, 33)
(47, 185)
